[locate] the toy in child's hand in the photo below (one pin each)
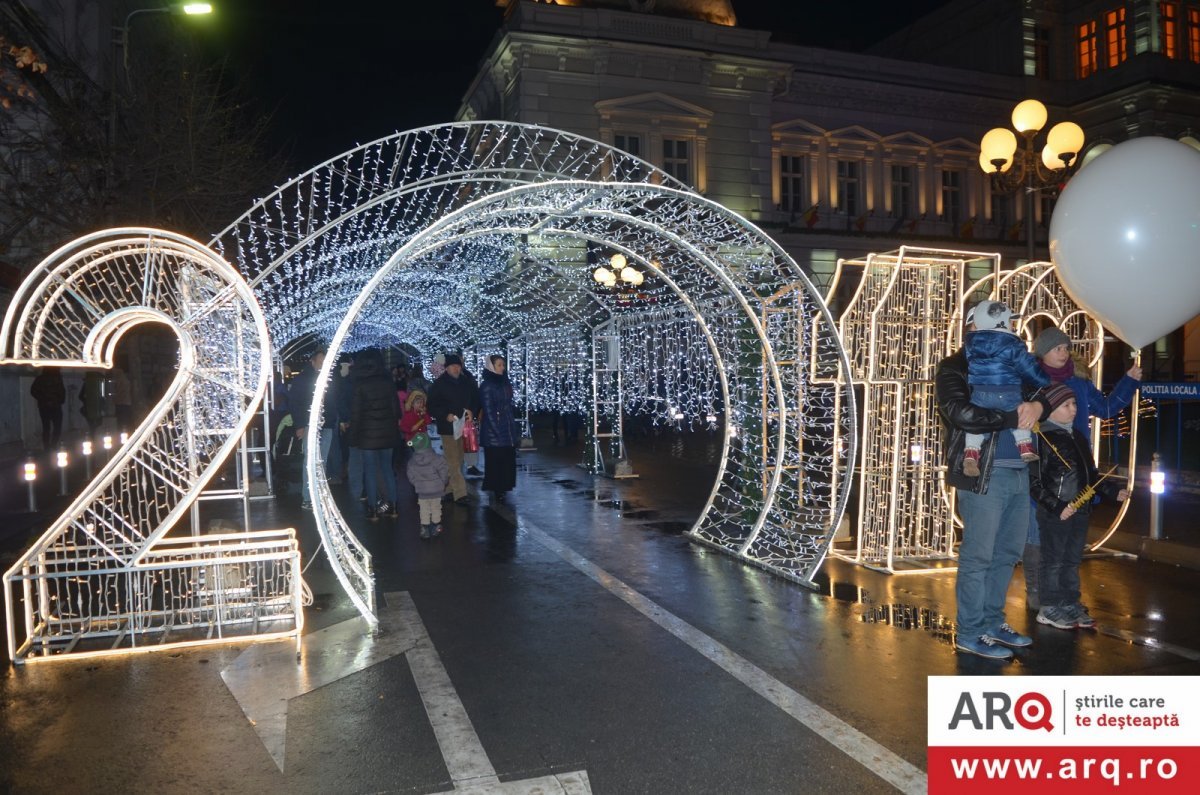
(1085, 496)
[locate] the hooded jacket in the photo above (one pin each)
(428, 473)
(414, 421)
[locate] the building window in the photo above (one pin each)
(902, 191)
(1114, 37)
(628, 143)
(1194, 35)
(792, 195)
(1002, 210)
(849, 186)
(1168, 18)
(1041, 53)
(676, 160)
(1047, 201)
(1088, 60)
(952, 196)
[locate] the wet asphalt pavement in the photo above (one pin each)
(580, 631)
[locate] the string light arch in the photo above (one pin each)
(486, 235)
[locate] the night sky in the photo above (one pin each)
(335, 74)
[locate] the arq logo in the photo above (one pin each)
(1032, 711)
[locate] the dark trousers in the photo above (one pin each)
(499, 468)
(51, 425)
(1062, 552)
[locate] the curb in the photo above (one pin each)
(1158, 551)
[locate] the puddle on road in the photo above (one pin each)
(894, 614)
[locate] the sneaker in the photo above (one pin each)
(383, 507)
(1082, 618)
(426, 530)
(1027, 452)
(1056, 617)
(394, 513)
(437, 530)
(475, 472)
(983, 646)
(1009, 637)
(970, 465)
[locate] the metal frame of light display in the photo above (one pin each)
(105, 577)
(493, 259)
(905, 315)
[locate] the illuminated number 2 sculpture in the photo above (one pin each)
(108, 576)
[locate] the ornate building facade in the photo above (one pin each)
(838, 154)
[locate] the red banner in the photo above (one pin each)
(1064, 770)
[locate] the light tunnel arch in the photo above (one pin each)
(777, 497)
(311, 248)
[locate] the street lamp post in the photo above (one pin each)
(1011, 167)
(121, 39)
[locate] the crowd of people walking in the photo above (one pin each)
(379, 427)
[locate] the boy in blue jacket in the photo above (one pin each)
(998, 363)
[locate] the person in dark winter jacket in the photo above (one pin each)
(428, 473)
(300, 396)
(498, 429)
(49, 392)
(997, 364)
(452, 396)
(1059, 483)
(1052, 347)
(374, 414)
(994, 508)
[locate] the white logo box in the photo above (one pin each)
(1083, 710)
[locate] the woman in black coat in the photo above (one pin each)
(373, 417)
(498, 430)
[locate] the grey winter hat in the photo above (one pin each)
(1048, 340)
(991, 315)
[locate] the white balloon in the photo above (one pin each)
(1125, 238)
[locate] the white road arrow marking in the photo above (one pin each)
(266, 676)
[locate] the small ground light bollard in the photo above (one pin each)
(87, 456)
(124, 437)
(61, 460)
(30, 478)
(107, 443)
(1158, 485)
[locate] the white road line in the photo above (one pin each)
(266, 676)
(465, 758)
(898, 772)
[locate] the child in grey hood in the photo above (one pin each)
(428, 473)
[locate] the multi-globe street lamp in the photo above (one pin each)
(1012, 167)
